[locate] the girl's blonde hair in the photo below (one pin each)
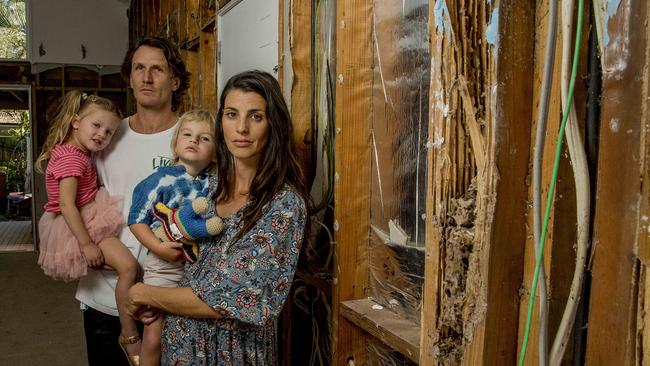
(74, 103)
(195, 115)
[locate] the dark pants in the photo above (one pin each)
(102, 331)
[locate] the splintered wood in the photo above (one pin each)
(457, 157)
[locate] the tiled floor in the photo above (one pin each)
(16, 236)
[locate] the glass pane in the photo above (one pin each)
(13, 29)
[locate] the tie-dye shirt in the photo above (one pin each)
(246, 281)
(170, 185)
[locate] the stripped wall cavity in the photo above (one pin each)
(460, 96)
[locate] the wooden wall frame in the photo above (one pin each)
(619, 288)
(352, 178)
(497, 111)
(501, 151)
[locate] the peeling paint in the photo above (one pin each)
(614, 125)
(615, 45)
(438, 140)
(492, 31)
(441, 12)
(610, 10)
(443, 107)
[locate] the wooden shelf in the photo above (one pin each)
(398, 333)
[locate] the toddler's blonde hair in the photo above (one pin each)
(195, 115)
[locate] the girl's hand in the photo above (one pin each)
(170, 251)
(93, 255)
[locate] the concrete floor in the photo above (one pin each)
(40, 321)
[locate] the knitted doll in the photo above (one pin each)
(186, 225)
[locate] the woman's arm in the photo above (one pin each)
(72, 216)
(179, 300)
(169, 251)
(251, 282)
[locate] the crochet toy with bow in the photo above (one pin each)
(186, 225)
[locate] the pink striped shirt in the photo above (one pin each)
(70, 161)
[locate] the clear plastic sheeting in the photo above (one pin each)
(400, 115)
(401, 82)
(379, 354)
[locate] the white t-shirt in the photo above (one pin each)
(129, 159)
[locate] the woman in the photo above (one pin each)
(225, 309)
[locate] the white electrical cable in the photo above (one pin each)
(581, 179)
(540, 134)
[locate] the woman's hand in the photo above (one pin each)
(137, 309)
(93, 255)
(169, 251)
(148, 315)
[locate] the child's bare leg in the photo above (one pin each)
(150, 352)
(119, 257)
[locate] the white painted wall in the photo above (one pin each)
(62, 26)
(248, 38)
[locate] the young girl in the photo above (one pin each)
(194, 157)
(81, 220)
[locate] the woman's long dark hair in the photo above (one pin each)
(278, 165)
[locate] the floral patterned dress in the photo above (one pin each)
(247, 282)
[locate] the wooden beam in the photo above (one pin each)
(559, 247)
(352, 166)
(619, 223)
(208, 65)
(301, 101)
(433, 233)
(502, 191)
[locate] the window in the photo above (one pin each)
(13, 29)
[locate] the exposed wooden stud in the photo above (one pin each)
(619, 225)
(553, 123)
(643, 244)
(502, 191)
(431, 288)
(352, 166)
(208, 61)
(301, 103)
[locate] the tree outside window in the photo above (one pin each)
(13, 29)
(15, 143)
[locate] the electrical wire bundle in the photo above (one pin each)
(581, 178)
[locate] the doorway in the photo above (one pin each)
(16, 178)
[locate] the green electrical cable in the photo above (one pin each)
(551, 191)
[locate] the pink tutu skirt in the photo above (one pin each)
(60, 256)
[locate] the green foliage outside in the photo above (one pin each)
(13, 29)
(16, 166)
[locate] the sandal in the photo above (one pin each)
(123, 341)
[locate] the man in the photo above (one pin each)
(158, 78)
